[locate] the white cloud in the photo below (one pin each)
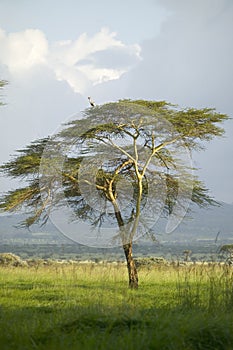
(81, 63)
(23, 50)
(76, 61)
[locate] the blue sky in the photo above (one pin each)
(56, 53)
(62, 20)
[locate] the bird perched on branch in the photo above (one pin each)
(92, 103)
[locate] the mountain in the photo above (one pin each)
(200, 224)
(10, 230)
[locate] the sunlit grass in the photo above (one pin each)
(89, 306)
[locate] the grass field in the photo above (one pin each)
(88, 306)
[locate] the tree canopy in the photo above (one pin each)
(2, 84)
(118, 168)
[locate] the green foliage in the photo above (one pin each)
(227, 251)
(3, 83)
(191, 123)
(27, 162)
(110, 124)
(227, 248)
(20, 197)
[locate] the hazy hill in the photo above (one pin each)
(10, 229)
(202, 224)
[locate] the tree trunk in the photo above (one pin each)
(132, 270)
(128, 250)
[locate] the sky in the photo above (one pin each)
(56, 53)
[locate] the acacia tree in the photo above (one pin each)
(2, 84)
(119, 168)
(227, 251)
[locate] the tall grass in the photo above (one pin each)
(204, 286)
(89, 306)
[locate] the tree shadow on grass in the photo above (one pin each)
(157, 328)
(95, 326)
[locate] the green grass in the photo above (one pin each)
(90, 307)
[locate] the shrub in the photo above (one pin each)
(149, 262)
(9, 259)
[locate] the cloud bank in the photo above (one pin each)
(190, 61)
(82, 63)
